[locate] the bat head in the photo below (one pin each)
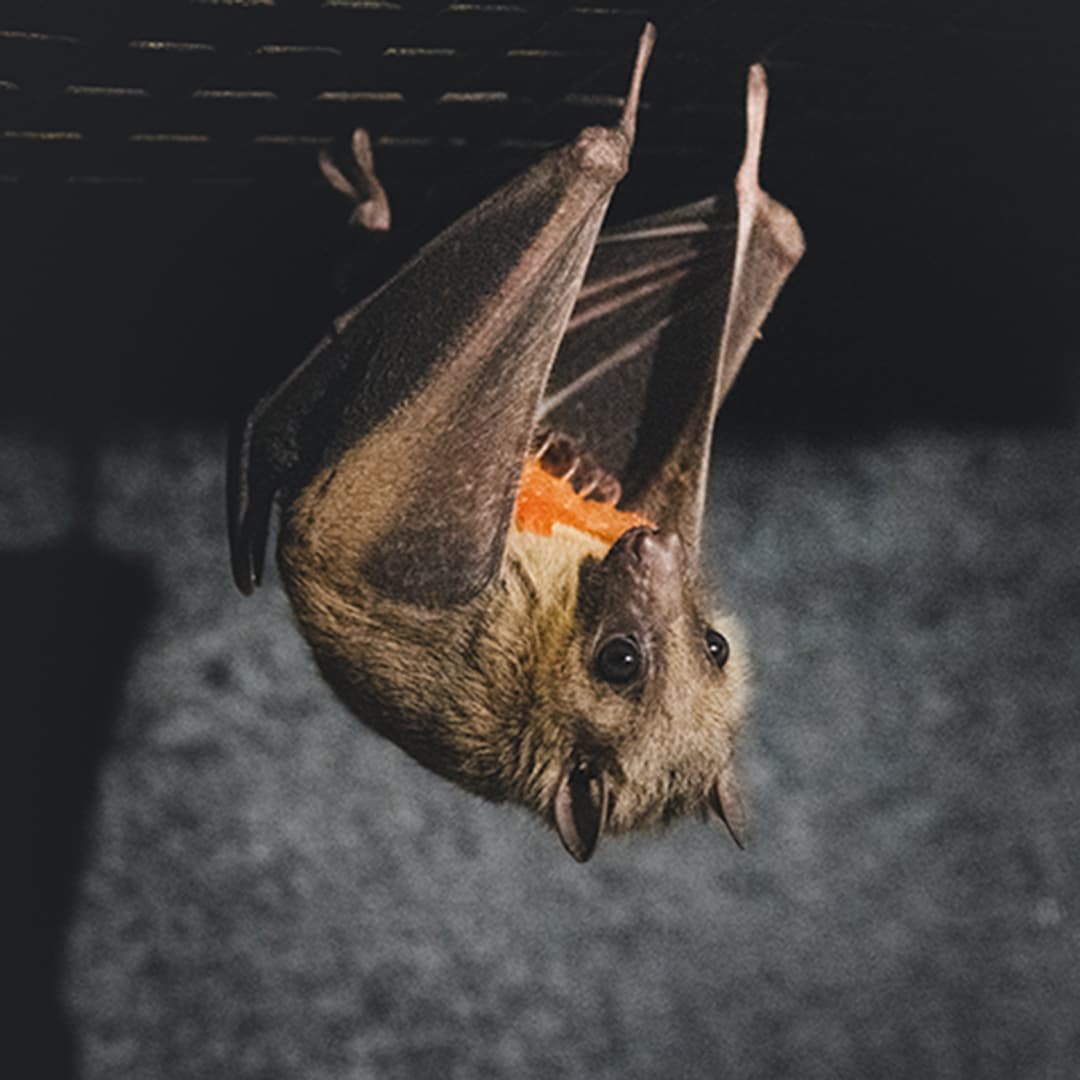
(638, 695)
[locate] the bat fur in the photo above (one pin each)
(589, 680)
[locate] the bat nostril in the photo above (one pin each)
(633, 542)
(655, 550)
(642, 541)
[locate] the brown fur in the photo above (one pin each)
(497, 695)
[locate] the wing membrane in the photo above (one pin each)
(651, 283)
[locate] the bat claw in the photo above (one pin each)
(561, 456)
(606, 490)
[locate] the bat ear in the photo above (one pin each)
(726, 802)
(581, 808)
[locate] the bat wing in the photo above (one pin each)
(649, 282)
(668, 311)
(400, 441)
(280, 437)
(277, 444)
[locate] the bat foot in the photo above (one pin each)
(355, 178)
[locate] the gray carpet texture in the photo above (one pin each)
(269, 890)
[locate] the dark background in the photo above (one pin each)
(170, 249)
(230, 877)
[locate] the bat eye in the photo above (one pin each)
(718, 647)
(619, 661)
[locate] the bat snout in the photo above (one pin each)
(649, 552)
(640, 581)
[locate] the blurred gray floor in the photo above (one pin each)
(271, 891)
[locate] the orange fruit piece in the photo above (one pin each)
(545, 501)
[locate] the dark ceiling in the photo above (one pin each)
(169, 249)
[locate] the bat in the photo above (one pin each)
(491, 476)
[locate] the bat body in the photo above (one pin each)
(491, 476)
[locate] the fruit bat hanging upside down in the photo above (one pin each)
(492, 474)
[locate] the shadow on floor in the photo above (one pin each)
(75, 613)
